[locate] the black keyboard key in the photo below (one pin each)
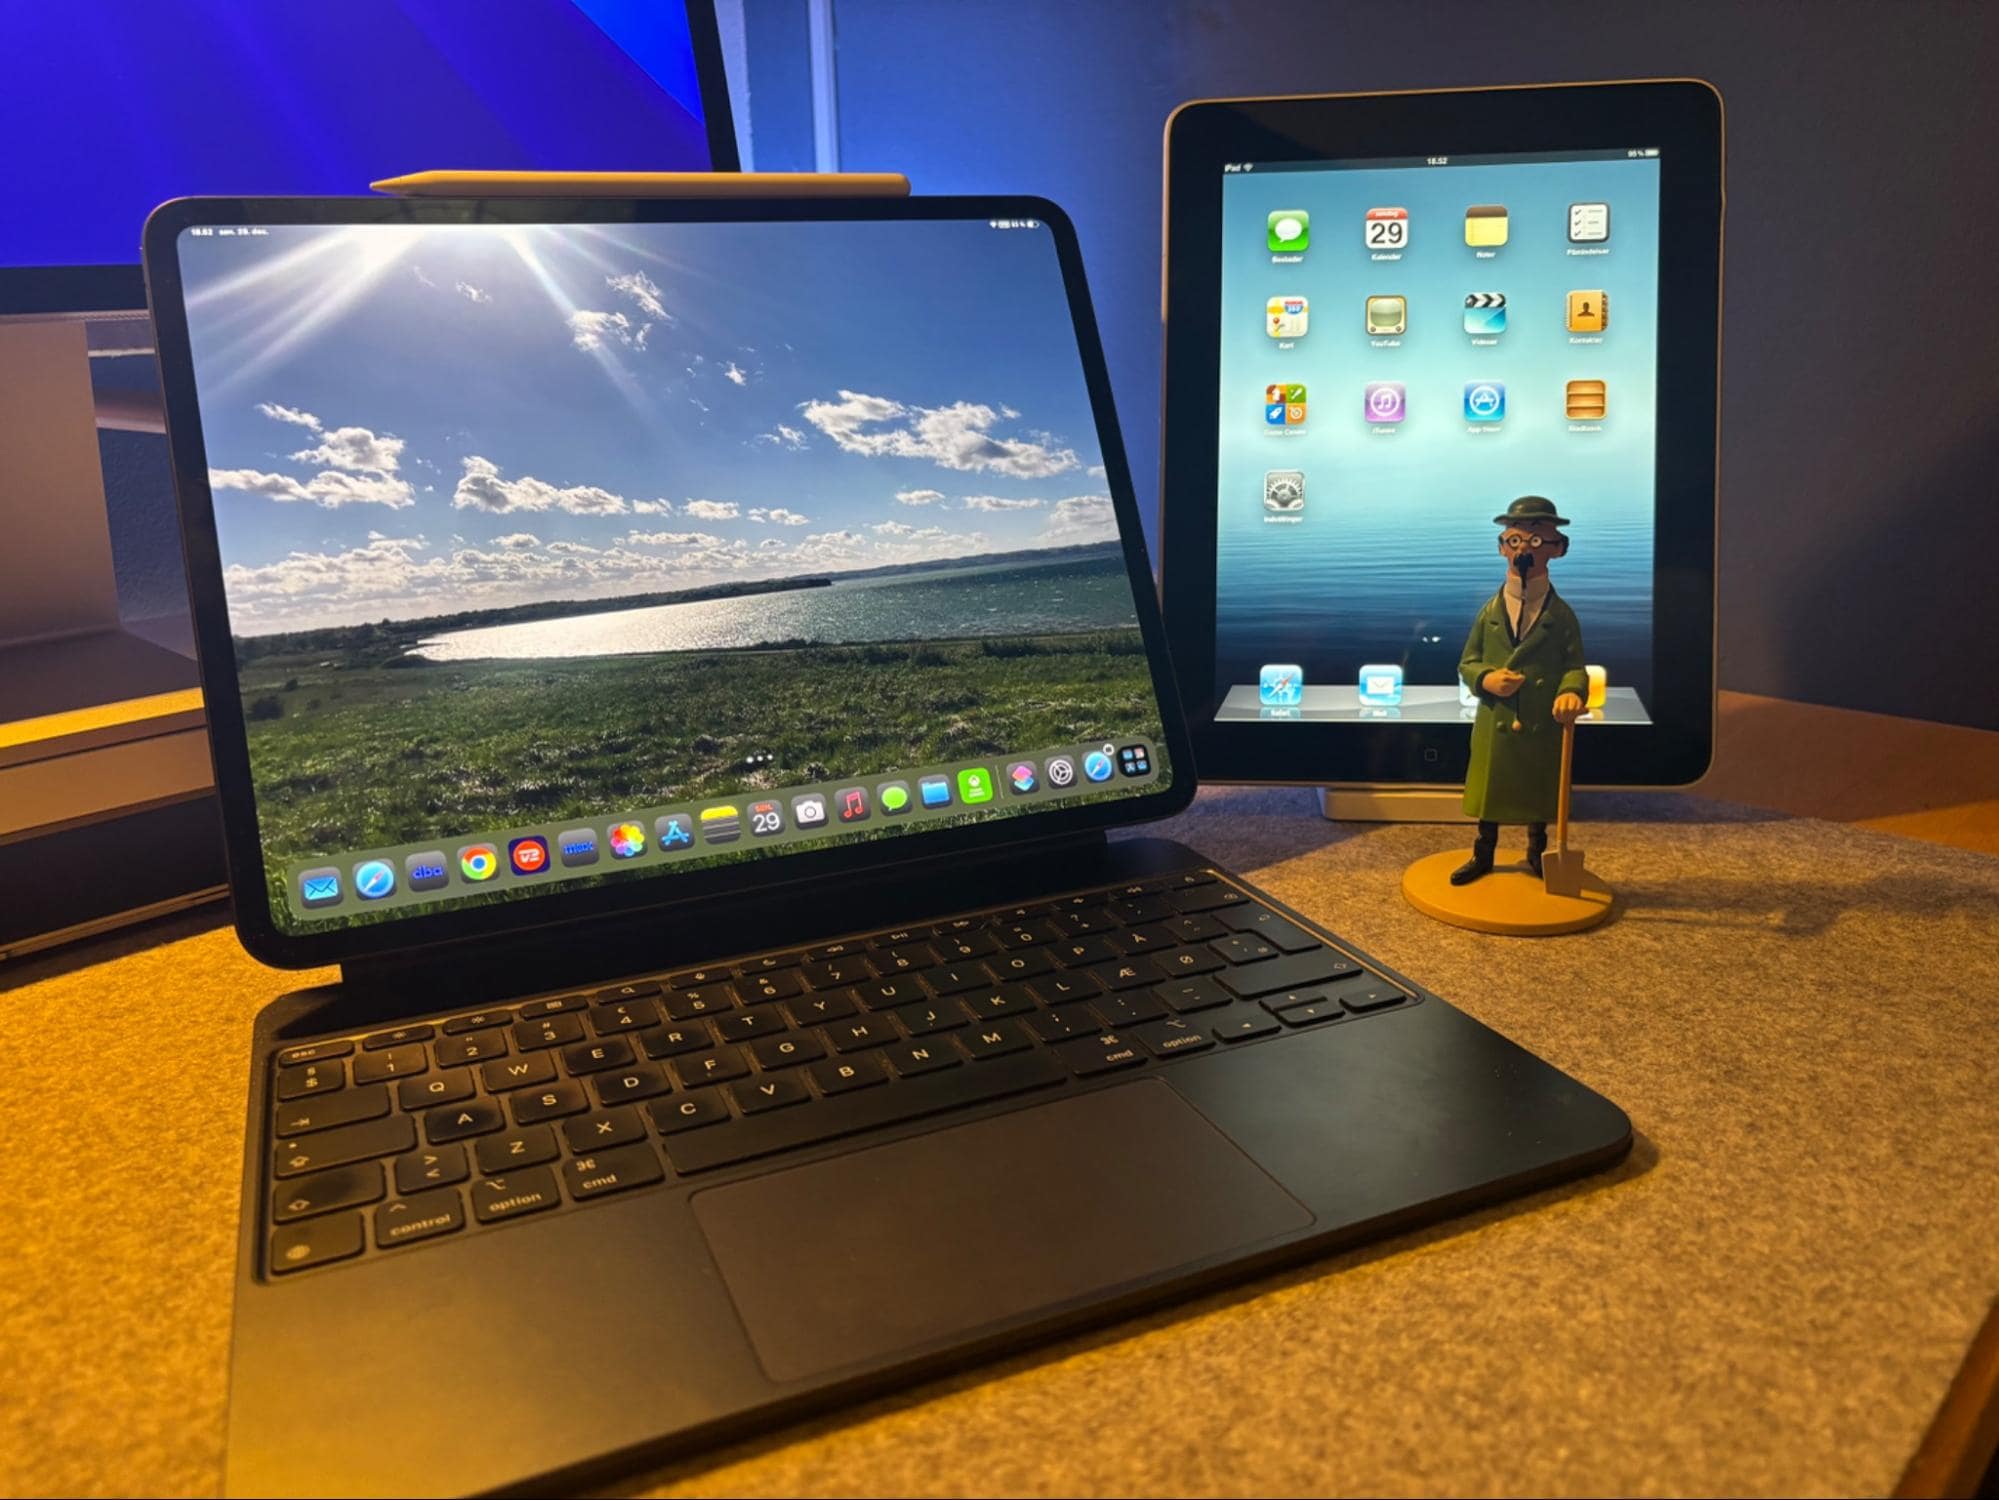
(742, 1025)
(601, 1173)
(956, 978)
(480, 1020)
(534, 1010)
(455, 1122)
(624, 1015)
(1127, 973)
(1240, 948)
(995, 1039)
(527, 1191)
(548, 1031)
(931, 1016)
(593, 1057)
(1280, 932)
(812, 1010)
(718, 1066)
(431, 1167)
(866, 1109)
(401, 1036)
(906, 959)
(1100, 1054)
(788, 1050)
(628, 1086)
(767, 963)
(1133, 910)
(1199, 927)
(700, 1000)
(886, 994)
(330, 1111)
(599, 1132)
(842, 1075)
(1183, 880)
(1029, 933)
(1243, 1025)
(477, 1046)
(1185, 963)
(1293, 971)
(691, 979)
(315, 1242)
(531, 1106)
(1317, 1009)
(322, 1193)
(1003, 1000)
(856, 1035)
(336, 1148)
(1210, 897)
(672, 1041)
(755, 1096)
(1082, 921)
(423, 1217)
(1062, 989)
(1151, 938)
(524, 1146)
(846, 948)
(837, 972)
(504, 1073)
(1172, 1035)
(1077, 952)
(1186, 995)
(1360, 998)
(1022, 964)
(631, 989)
(311, 1078)
(391, 1062)
(959, 946)
(1128, 1009)
(756, 988)
(913, 1059)
(313, 1052)
(1060, 1025)
(670, 1116)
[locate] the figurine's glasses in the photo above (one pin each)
(1513, 541)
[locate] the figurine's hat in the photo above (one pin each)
(1530, 508)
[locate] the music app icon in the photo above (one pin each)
(853, 803)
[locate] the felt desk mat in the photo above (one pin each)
(1769, 1296)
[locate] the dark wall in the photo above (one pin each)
(1860, 513)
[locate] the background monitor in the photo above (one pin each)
(115, 106)
(1389, 317)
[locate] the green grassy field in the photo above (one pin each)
(351, 756)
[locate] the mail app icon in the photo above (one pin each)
(319, 887)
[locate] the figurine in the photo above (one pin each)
(1524, 662)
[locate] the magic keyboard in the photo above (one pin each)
(470, 1121)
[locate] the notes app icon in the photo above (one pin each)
(1485, 225)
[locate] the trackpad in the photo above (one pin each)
(924, 1239)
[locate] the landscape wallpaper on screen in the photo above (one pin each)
(526, 524)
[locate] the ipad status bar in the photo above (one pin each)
(1488, 159)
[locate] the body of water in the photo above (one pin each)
(951, 601)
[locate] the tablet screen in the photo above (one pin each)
(1409, 346)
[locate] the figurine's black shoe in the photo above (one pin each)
(1534, 859)
(1537, 845)
(1471, 869)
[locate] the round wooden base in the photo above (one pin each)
(1511, 901)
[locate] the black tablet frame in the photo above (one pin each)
(1683, 117)
(228, 737)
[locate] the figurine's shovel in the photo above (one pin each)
(1562, 867)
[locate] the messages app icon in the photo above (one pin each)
(1288, 231)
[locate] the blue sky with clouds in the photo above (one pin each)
(405, 421)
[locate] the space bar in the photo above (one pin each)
(969, 1083)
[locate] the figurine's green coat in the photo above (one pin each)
(1516, 745)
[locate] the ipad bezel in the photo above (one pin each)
(228, 736)
(1683, 117)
